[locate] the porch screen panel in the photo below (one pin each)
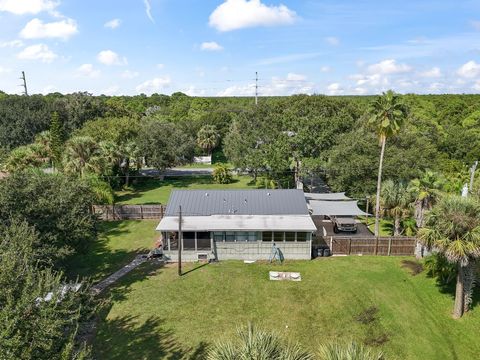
(267, 236)
(189, 241)
(302, 236)
(173, 237)
(289, 236)
(203, 241)
(278, 236)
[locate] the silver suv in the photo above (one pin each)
(344, 223)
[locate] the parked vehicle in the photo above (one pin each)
(344, 224)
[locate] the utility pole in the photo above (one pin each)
(256, 88)
(25, 92)
(472, 174)
(180, 241)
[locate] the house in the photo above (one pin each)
(237, 224)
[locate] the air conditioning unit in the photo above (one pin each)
(202, 256)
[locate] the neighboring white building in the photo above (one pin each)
(237, 224)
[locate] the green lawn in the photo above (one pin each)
(157, 192)
(154, 314)
(386, 225)
(118, 244)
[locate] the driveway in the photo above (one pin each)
(178, 172)
(325, 228)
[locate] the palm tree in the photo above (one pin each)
(453, 228)
(388, 114)
(207, 138)
(396, 200)
(258, 344)
(83, 155)
(426, 189)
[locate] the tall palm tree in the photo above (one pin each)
(426, 190)
(453, 228)
(207, 138)
(83, 155)
(396, 200)
(388, 114)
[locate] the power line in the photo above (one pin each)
(256, 88)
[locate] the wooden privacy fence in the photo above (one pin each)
(129, 212)
(399, 245)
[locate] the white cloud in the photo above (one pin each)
(325, 69)
(389, 66)
(332, 40)
(37, 29)
(211, 46)
(21, 7)
(476, 86)
(112, 24)
(4, 70)
(48, 89)
(111, 90)
(475, 24)
(296, 77)
(88, 70)
(148, 10)
(469, 70)
(288, 85)
(109, 57)
(154, 85)
(127, 74)
(37, 52)
(160, 66)
(193, 91)
(239, 14)
(360, 91)
(12, 44)
(434, 72)
(334, 89)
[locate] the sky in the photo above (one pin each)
(215, 47)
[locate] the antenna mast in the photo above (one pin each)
(24, 85)
(256, 88)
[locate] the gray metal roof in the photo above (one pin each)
(327, 196)
(237, 202)
(335, 208)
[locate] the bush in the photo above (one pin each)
(222, 174)
(439, 267)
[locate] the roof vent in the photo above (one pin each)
(245, 201)
(206, 194)
(268, 194)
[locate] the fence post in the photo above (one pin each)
(141, 212)
(349, 246)
(389, 246)
(331, 244)
(376, 245)
(161, 211)
(113, 212)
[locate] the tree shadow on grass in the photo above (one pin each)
(98, 260)
(133, 337)
(449, 289)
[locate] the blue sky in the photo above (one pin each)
(214, 47)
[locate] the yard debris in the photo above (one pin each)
(248, 261)
(279, 275)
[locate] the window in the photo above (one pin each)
(173, 239)
(203, 241)
(229, 236)
(218, 236)
(189, 241)
(302, 236)
(242, 236)
(267, 236)
(252, 236)
(277, 236)
(289, 236)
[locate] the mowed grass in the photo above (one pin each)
(158, 191)
(118, 243)
(154, 314)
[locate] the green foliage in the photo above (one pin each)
(222, 174)
(56, 139)
(39, 318)
(58, 207)
(253, 343)
(348, 351)
(164, 144)
(207, 138)
(24, 157)
(388, 114)
(439, 267)
(83, 155)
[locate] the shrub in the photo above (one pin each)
(439, 267)
(222, 174)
